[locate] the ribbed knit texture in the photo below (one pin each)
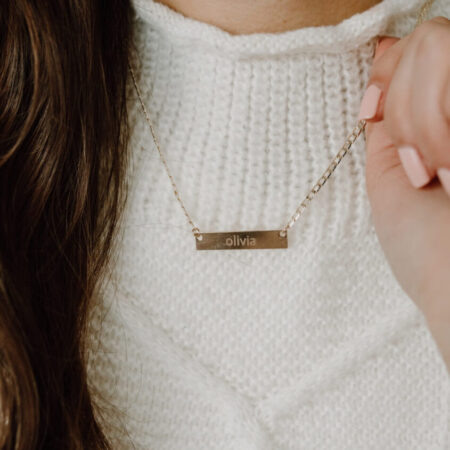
(311, 347)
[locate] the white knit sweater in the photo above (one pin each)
(311, 347)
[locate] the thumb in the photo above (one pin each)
(380, 154)
(372, 103)
(383, 43)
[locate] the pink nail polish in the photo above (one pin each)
(412, 163)
(444, 178)
(369, 103)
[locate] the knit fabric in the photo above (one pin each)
(311, 347)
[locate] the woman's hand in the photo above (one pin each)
(408, 166)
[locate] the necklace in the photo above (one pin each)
(261, 239)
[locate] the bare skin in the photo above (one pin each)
(268, 16)
(413, 222)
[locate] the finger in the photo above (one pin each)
(398, 119)
(384, 42)
(428, 109)
(384, 67)
(382, 158)
(384, 174)
(386, 58)
(414, 109)
(379, 147)
(413, 101)
(398, 115)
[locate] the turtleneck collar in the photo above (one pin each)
(345, 36)
(249, 122)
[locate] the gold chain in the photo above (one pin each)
(359, 128)
(195, 230)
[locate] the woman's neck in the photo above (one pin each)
(268, 16)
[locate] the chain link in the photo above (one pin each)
(323, 179)
(195, 230)
(359, 128)
(422, 15)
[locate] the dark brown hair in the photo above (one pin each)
(63, 154)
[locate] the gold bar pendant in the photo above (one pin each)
(242, 240)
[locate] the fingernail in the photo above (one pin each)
(369, 103)
(412, 163)
(444, 177)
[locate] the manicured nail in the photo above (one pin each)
(444, 177)
(412, 163)
(369, 103)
